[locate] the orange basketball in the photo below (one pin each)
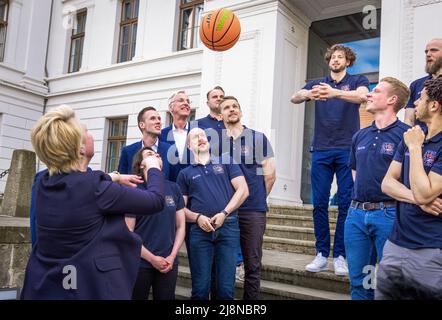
(220, 29)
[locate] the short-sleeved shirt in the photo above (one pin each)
(208, 187)
(158, 230)
(371, 153)
(414, 228)
(416, 88)
(336, 121)
(214, 131)
(249, 150)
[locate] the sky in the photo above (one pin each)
(367, 55)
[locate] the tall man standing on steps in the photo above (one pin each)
(337, 97)
(372, 213)
(252, 151)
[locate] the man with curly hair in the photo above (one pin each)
(411, 267)
(337, 99)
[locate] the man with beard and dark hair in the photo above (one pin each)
(411, 266)
(254, 154)
(433, 68)
(337, 97)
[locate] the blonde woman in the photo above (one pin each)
(84, 249)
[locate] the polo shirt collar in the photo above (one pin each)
(435, 139)
(330, 79)
(374, 128)
(211, 160)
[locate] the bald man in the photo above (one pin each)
(433, 68)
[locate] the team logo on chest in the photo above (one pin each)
(169, 201)
(429, 158)
(245, 150)
(345, 87)
(218, 169)
(387, 148)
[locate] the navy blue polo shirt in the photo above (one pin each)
(209, 186)
(249, 150)
(336, 121)
(158, 230)
(371, 153)
(214, 129)
(414, 228)
(416, 88)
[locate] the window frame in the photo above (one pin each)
(74, 37)
(117, 139)
(183, 7)
(4, 24)
(131, 21)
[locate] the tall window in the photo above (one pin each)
(128, 30)
(115, 142)
(3, 25)
(190, 19)
(77, 41)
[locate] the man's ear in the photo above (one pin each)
(82, 150)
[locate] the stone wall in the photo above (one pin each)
(15, 248)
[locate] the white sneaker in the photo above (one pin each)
(340, 265)
(318, 264)
(240, 272)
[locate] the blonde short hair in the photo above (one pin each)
(398, 89)
(57, 138)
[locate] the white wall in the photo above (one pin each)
(22, 86)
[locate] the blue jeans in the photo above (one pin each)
(324, 165)
(221, 245)
(365, 235)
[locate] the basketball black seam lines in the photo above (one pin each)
(234, 40)
(204, 34)
(231, 22)
(213, 30)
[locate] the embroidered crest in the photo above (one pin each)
(245, 150)
(345, 87)
(387, 148)
(169, 201)
(218, 169)
(429, 158)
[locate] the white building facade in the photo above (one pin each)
(108, 63)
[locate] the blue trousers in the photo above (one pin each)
(365, 235)
(324, 165)
(220, 246)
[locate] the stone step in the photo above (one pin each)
(291, 245)
(305, 210)
(289, 268)
(296, 233)
(183, 293)
(271, 290)
(294, 221)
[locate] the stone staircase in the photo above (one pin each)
(288, 246)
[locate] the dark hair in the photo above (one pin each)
(349, 53)
(214, 88)
(136, 162)
(141, 114)
(230, 98)
(434, 89)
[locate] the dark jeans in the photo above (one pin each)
(220, 245)
(163, 284)
(324, 165)
(252, 225)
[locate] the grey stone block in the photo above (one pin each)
(17, 196)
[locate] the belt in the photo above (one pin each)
(372, 205)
